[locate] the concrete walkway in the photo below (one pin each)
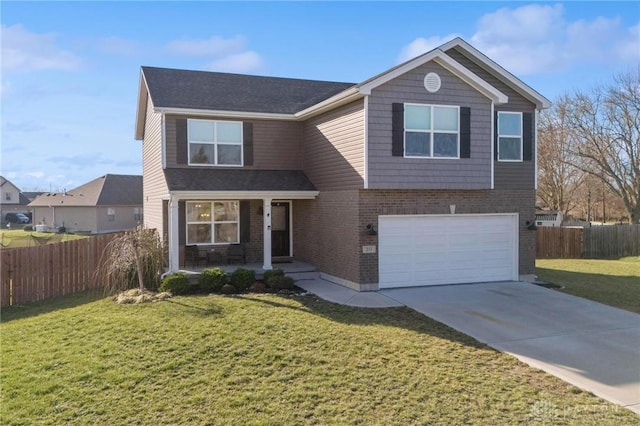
(590, 345)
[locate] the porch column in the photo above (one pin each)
(267, 234)
(174, 246)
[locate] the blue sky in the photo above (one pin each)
(70, 71)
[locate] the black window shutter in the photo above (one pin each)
(397, 130)
(495, 135)
(247, 143)
(182, 147)
(528, 132)
(245, 218)
(465, 132)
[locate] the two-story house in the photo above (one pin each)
(424, 174)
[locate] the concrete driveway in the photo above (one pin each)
(593, 346)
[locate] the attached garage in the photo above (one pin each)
(420, 250)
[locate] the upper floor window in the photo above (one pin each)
(431, 131)
(214, 142)
(7, 196)
(137, 214)
(510, 136)
(213, 222)
(111, 215)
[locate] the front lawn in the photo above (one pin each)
(268, 360)
(612, 282)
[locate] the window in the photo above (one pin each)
(7, 196)
(137, 214)
(214, 142)
(111, 215)
(510, 136)
(431, 131)
(213, 222)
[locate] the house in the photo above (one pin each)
(421, 175)
(12, 199)
(549, 218)
(106, 204)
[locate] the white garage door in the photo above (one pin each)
(449, 249)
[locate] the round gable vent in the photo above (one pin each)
(432, 82)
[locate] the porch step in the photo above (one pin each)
(300, 276)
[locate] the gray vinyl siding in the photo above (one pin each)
(277, 145)
(507, 175)
(154, 186)
(389, 172)
(124, 218)
(333, 150)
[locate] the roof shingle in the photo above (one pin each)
(236, 180)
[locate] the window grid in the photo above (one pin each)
(502, 136)
(212, 222)
(432, 131)
(216, 143)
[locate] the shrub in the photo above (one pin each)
(243, 278)
(281, 282)
(268, 275)
(229, 289)
(177, 283)
(212, 280)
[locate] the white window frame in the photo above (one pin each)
(111, 214)
(520, 136)
(212, 222)
(215, 143)
(431, 132)
(137, 214)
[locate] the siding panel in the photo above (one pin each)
(334, 148)
(154, 186)
(388, 172)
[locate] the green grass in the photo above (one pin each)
(13, 238)
(266, 360)
(612, 282)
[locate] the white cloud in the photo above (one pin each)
(537, 38)
(23, 50)
(37, 174)
(239, 62)
(214, 46)
(422, 45)
(225, 55)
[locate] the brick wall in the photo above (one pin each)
(388, 202)
(327, 233)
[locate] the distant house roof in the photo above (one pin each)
(235, 92)
(31, 195)
(237, 180)
(23, 200)
(107, 190)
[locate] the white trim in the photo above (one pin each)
(163, 140)
(535, 149)
(245, 195)
(335, 101)
(143, 96)
(226, 114)
(174, 225)
(493, 146)
(431, 131)
(266, 237)
(366, 142)
(446, 62)
(520, 87)
(521, 136)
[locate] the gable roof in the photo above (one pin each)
(107, 190)
(171, 88)
(23, 200)
(244, 95)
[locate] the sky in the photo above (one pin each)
(70, 71)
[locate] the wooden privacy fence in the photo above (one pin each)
(30, 274)
(596, 242)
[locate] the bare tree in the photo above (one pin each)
(606, 123)
(558, 178)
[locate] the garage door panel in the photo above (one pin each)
(430, 250)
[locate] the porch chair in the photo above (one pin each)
(236, 253)
(193, 255)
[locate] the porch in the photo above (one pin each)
(295, 268)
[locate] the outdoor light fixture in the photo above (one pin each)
(371, 230)
(531, 225)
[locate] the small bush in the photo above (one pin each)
(229, 289)
(177, 283)
(212, 280)
(281, 283)
(268, 275)
(243, 278)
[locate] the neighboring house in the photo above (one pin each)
(106, 204)
(549, 218)
(421, 175)
(12, 200)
